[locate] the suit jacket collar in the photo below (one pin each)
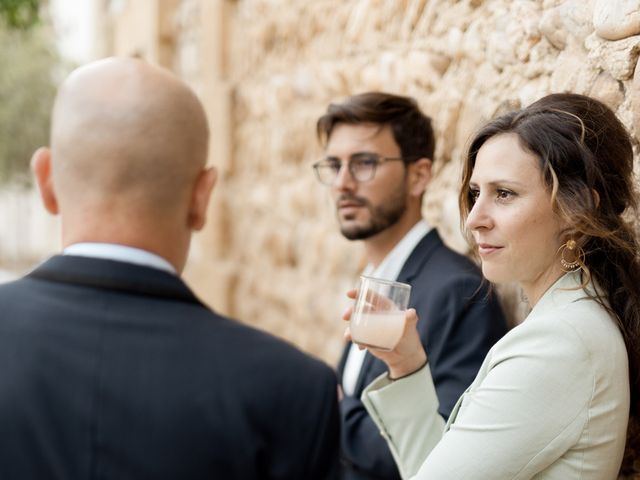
(423, 251)
(566, 289)
(343, 361)
(367, 362)
(114, 275)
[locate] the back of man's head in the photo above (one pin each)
(411, 128)
(126, 131)
(128, 145)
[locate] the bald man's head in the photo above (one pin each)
(127, 159)
(126, 133)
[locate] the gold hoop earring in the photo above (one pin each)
(577, 253)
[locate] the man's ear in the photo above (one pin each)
(200, 197)
(41, 168)
(419, 176)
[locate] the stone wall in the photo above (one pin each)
(463, 60)
(266, 69)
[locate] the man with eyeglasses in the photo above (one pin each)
(378, 157)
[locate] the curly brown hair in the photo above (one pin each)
(586, 159)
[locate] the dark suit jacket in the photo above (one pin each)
(459, 321)
(110, 370)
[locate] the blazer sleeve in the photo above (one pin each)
(529, 408)
(460, 320)
(363, 448)
(406, 413)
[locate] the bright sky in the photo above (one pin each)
(74, 22)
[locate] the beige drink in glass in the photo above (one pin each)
(378, 315)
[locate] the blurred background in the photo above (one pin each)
(271, 254)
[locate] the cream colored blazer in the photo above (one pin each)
(551, 401)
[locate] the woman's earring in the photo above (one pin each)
(571, 256)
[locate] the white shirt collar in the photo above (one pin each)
(121, 253)
(390, 267)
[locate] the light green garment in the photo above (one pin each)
(551, 401)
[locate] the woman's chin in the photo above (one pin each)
(495, 275)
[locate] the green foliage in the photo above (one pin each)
(27, 89)
(21, 14)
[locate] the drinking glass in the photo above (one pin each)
(379, 313)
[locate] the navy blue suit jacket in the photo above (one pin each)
(459, 321)
(110, 370)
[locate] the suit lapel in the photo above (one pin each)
(362, 381)
(456, 408)
(113, 275)
(343, 361)
(420, 255)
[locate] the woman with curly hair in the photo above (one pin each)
(547, 194)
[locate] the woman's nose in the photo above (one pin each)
(479, 216)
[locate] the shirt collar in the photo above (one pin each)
(390, 267)
(121, 253)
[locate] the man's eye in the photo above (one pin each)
(335, 166)
(364, 162)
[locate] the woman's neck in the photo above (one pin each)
(535, 289)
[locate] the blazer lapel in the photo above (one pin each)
(363, 381)
(456, 408)
(420, 255)
(343, 361)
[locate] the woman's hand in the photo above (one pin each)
(408, 355)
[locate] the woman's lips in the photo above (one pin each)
(485, 249)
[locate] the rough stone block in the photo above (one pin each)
(616, 19)
(608, 90)
(569, 21)
(618, 58)
(573, 72)
(634, 97)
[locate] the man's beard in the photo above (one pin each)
(380, 218)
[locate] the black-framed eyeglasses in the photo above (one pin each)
(362, 167)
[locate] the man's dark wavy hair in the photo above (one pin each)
(411, 128)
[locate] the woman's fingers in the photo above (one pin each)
(377, 302)
(411, 317)
(347, 334)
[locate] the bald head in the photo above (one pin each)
(126, 133)
(127, 159)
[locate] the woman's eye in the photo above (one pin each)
(473, 195)
(503, 194)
